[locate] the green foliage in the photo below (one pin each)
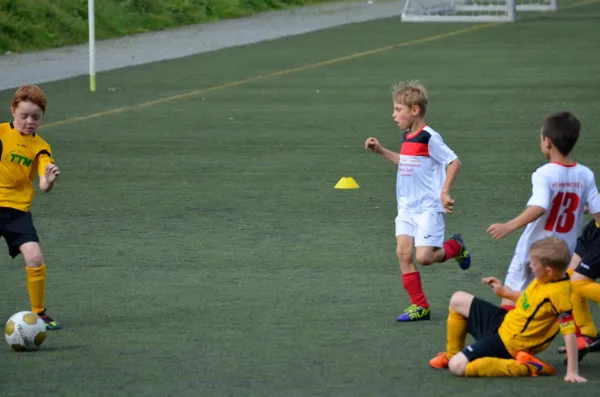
(27, 25)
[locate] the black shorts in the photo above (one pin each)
(588, 248)
(483, 323)
(17, 229)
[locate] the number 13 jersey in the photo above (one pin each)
(562, 191)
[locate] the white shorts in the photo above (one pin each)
(519, 274)
(427, 228)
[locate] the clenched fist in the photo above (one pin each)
(373, 145)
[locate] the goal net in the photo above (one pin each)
(471, 10)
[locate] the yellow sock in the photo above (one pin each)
(585, 289)
(456, 336)
(492, 366)
(36, 283)
(582, 314)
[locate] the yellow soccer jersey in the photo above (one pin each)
(540, 313)
(20, 157)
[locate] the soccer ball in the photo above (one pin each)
(25, 331)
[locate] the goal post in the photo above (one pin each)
(472, 10)
(92, 44)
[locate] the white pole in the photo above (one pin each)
(512, 10)
(92, 40)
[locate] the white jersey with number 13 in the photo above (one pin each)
(563, 191)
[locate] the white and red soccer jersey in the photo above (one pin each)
(422, 171)
(563, 191)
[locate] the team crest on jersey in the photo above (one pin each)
(17, 157)
(525, 302)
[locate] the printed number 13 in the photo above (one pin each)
(562, 212)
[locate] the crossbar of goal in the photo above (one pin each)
(471, 10)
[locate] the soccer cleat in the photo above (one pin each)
(414, 313)
(440, 361)
(50, 323)
(463, 258)
(591, 343)
(536, 366)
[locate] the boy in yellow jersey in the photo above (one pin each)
(22, 154)
(506, 340)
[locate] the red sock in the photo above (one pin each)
(412, 285)
(577, 330)
(507, 307)
(451, 248)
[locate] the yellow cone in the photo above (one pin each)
(346, 183)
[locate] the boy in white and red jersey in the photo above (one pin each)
(561, 190)
(423, 195)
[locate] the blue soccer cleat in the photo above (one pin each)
(414, 313)
(463, 258)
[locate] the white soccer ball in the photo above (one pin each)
(25, 331)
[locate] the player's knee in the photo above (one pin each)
(404, 254)
(458, 364)
(457, 298)
(32, 254)
(460, 301)
(425, 258)
(34, 260)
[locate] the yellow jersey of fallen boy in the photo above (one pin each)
(541, 312)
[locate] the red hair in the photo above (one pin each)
(30, 93)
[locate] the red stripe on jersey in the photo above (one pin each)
(414, 149)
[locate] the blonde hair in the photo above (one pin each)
(552, 252)
(411, 93)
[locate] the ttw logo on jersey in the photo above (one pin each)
(17, 157)
(525, 302)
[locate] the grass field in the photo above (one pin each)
(196, 246)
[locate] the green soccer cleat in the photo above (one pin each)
(414, 313)
(50, 323)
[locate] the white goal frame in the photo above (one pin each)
(445, 12)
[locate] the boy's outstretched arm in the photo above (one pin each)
(572, 360)
(501, 290)
(373, 145)
(389, 155)
(501, 230)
